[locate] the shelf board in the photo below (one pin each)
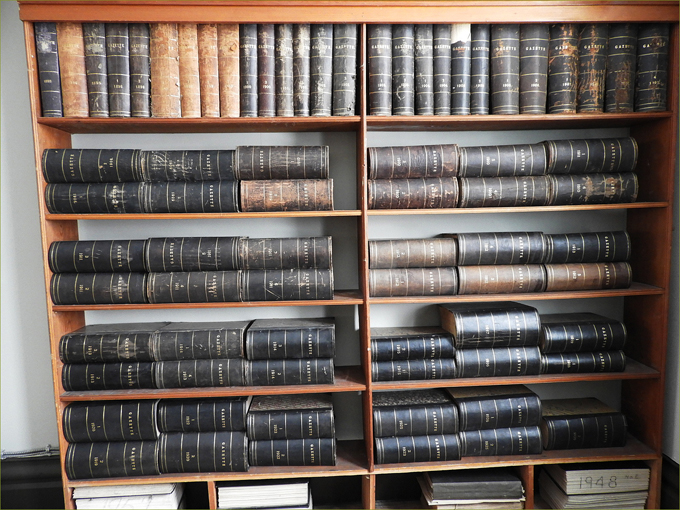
(634, 370)
(526, 209)
(346, 379)
(199, 216)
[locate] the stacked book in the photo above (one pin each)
(247, 179)
(291, 430)
(265, 495)
(159, 495)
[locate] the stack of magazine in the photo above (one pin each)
(264, 494)
(158, 495)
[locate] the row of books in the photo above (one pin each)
(463, 69)
(189, 70)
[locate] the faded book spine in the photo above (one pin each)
(162, 166)
(498, 362)
(208, 70)
(228, 68)
(107, 376)
(118, 67)
(499, 412)
(619, 96)
(587, 247)
(287, 343)
(415, 347)
(202, 452)
(503, 160)
(289, 372)
(111, 459)
(562, 333)
(533, 67)
(593, 189)
(301, 70)
(164, 70)
(203, 342)
(423, 81)
(588, 276)
(410, 162)
(262, 162)
(428, 448)
(480, 54)
(427, 193)
(583, 362)
(507, 279)
(414, 281)
(585, 431)
(287, 284)
(79, 347)
(204, 415)
(501, 441)
(266, 64)
(651, 78)
(248, 67)
(321, 69)
(139, 70)
(504, 191)
(461, 55)
(413, 370)
(402, 253)
(488, 248)
(592, 67)
(98, 288)
(189, 79)
(441, 68)
(592, 155)
(92, 165)
(345, 37)
(94, 37)
(293, 452)
(47, 56)
(165, 254)
(108, 198)
(291, 424)
(287, 195)
(379, 54)
(191, 197)
(283, 70)
(563, 68)
(415, 420)
(97, 256)
(199, 373)
(504, 97)
(72, 69)
(84, 422)
(286, 253)
(403, 66)
(194, 287)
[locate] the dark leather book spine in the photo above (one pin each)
(409, 162)
(248, 67)
(487, 248)
(504, 191)
(287, 195)
(301, 71)
(619, 95)
(94, 37)
(286, 253)
(164, 70)
(583, 362)
(345, 38)
(228, 64)
(293, 452)
(98, 288)
(428, 193)
(107, 376)
(403, 68)
(164, 254)
(194, 287)
(499, 412)
(287, 284)
(92, 165)
(588, 247)
(283, 70)
(501, 441)
(416, 347)
(208, 71)
(204, 415)
(461, 56)
(413, 370)
(118, 66)
(47, 57)
(651, 77)
(111, 459)
(199, 373)
(284, 372)
(533, 67)
(202, 165)
(480, 54)
(205, 343)
(429, 448)
(503, 160)
(415, 420)
(592, 67)
(105, 347)
(424, 79)
(414, 281)
(589, 276)
(291, 424)
(97, 256)
(585, 431)
(402, 253)
(504, 69)
(441, 68)
(189, 79)
(191, 197)
(140, 86)
(498, 362)
(263, 162)
(379, 54)
(84, 422)
(593, 189)
(321, 69)
(593, 155)
(582, 336)
(266, 49)
(72, 69)
(563, 68)
(202, 452)
(290, 343)
(508, 279)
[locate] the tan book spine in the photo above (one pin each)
(395, 253)
(589, 276)
(228, 69)
(415, 281)
(164, 57)
(189, 77)
(208, 70)
(287, 195)
(510, 279)
(72, 69)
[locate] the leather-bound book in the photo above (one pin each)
(498, 362)
(72, 69)
(583, 362)
(118, 66)
(94, 37)
(139, 70)
(486, 248)
(427, 193)
(461, 54)
(97, 256)
(534, 39)
(504, 191)
(427, 448)
(321, 70)
(502, 441)
(480, 54)
(285, 253)
(85, 422)
(403, 66)
(194, 287)
(293, 452)
(379, 52)
(166, 254)
(189, 78)
(287, 284)
(111, 459)
(283, 70)
(98, 288)
(413, 369)
(164, 69)
(413, 413)
(400, 253)
(581, 332)
(423, 82)
(199, 373)
(47, 57)
(266, 63)
(345, 39)
(619, 94)
(414, 281)
(588, 276)
(563, 68)
(441, 68)
(398, 344)
(508, 279)
(301, 71)
(203, 415)
(266, 162)
(592, 67)
(178, 341)
(208, 70)
(107, 376)
(286, 195)
(92, 165)
(103, 198)
(290, 338)
(651, 78)
(505, 42)
(203, 452)
(191, 197)
(593, 189)
(409, 162)
(189, 166)
(284, 372)
(300, 416)
(227, 66)
(503, 160)
(590, 156)
(587, 247)
(248, 70)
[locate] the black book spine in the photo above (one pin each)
(301, 71)
(283, 70)
(107, 376)
(111, 459)
(592, 67)
(207, 343)
(461, 55)
(416, 347)
(118, 65)
(592, 155)
(533, 67)
(587, 247)
(594, 189)
(586, 431)
(504, 191)
(403, 67)
(192, 197)
(379, 69)
(619, 95)
(199, 373)
(563, 68)
(293, 452)
(583, 362)
(498, 362)
(105, 347)
(501, 248)
(583, 336)
(408, 162)
(266, 68)
(265, 162)
(140, 70)
(204, 415)
(49, 79)
(165, 254)
(290, 343)
(248, 69)
(413, 281)
(345, 38)
(423, 81)
(289, 371)
(429, 448)
(425, 193)
(287, 284)
(441, 68)
(291, 424)
(321, 69)
(496, 328)
(108, 198)
(286, 253)
(202, 165)
(92, 165)
(194, 287)
(97, 256)
(413, 370)
(480, 54)
(415, 420)
(505, 441)
(504, 69)
(110, 421)
(202, 452)
(98, 288)
(651, 79)
(94, 37)
(499, 412)
(503, 160)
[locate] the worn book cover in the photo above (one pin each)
(486, 484)
(291, 338)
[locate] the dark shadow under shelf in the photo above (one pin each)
(527, 209)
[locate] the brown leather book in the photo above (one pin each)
(590, 276)
(189, 78)
(208, 70)
(164, 56)
(415, 281)
(431, 193)
(510, 279)
(394, 253)
(72, 69)
(287, 195)
(227, 63)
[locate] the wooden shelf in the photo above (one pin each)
(201, 216)
(527, 209)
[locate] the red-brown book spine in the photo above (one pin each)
(227, 63)
(72, 69)
(208, 70)
(589, 276)
(189, 79)
(164, 69)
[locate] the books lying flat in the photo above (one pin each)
(556, 498)
(600, 477)
(158, 496)
(464, 485)
(264, 494)
(474, 505)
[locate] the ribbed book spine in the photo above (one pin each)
(264, 162)
(423, 81)
(594, 189)
(290, 343)
(111, 459)
(652, 67)
(289, 371)
(92, 165)
(266, 63)
(293, 452)
(203, 452)
(584, 431)
(107, 376)
(461, 54)
(188, 166)
(94, 36)
(583, 362)
(379, 69)
(287, 284)
(415, 420)
(199, 373)
(49, 79)
(283, 70)
(208, 71)
(488, 248)
(415, 347)
(228, 68)
(589, 276)
(403, 66)
(108, 198)
(506, 279)
(588, 247)
(166, 254)
(189, 79)
(194, 287)
(620, 76)
(110, 421)
(505, 191)
(164, 70)
(248, 67)
(416, 281)
(139, 70)
(118, 66)
(480, 54)
(413, 370)
(592, 155)
(345, 39)
(533, 67)
(563, 68)
(499, 412)
(498, 362)
(409, 162)
(441, 68)
(96, 256)
(428, 448)
(191, 197)
(504, 69)
(285, 253)
(503, 160)
(72, 69)
(200, 341)
(86, 347)
(321, 70)
(286, 195)
(204, 415)
(428, 193)
(98, 288)
(301, 70)
(402, 253)
(291, 424)
(501, 441)
(567, 333)
(592, 55)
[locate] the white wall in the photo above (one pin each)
(28, 418)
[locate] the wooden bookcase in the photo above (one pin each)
(644, 306)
